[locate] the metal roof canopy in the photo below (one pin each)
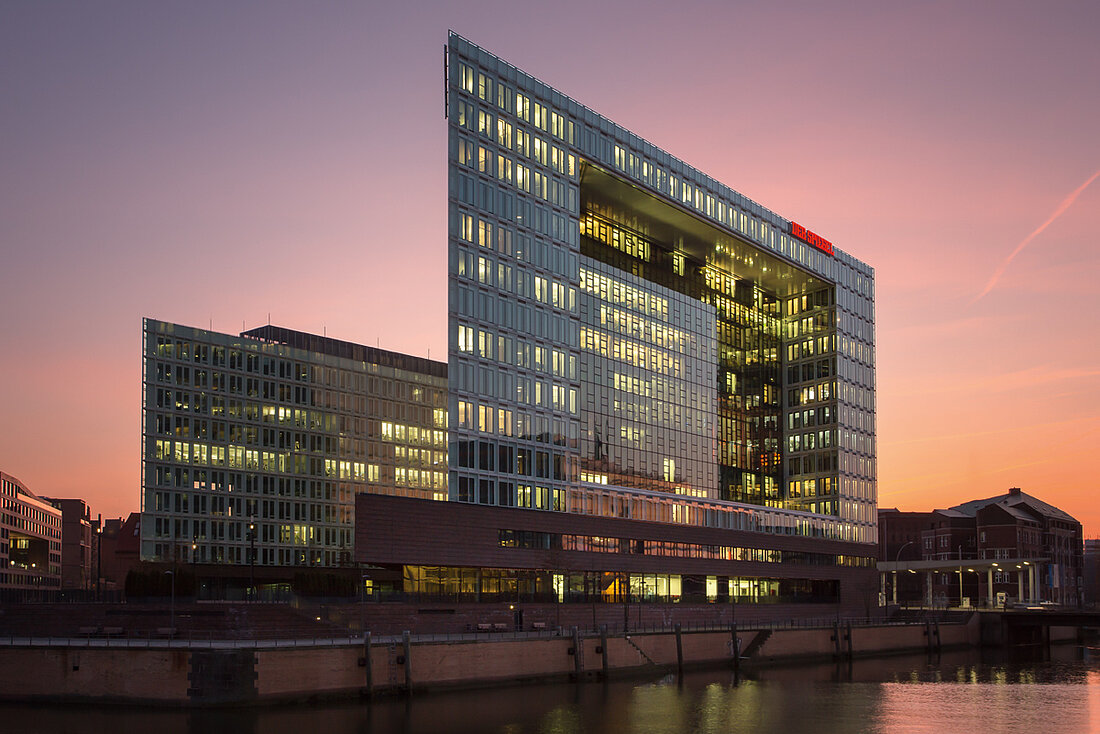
(967, 564)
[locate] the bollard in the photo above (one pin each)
(366, 657)
(735, 645)
(603, 648)
(406, 641)
(679, 651)
(578, 664)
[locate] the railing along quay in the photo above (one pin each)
(271, 640)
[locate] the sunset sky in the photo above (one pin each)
(223, 164)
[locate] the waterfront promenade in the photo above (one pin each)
(195, 671)
(240, 654)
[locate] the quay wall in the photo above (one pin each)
(203, 675)
(109, 675)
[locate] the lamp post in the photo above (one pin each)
(98, 557)
(897, 560)
(194, 574)
(172, 607)
(251, 560)
(960, 576)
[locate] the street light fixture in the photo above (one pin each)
(897, 559)
(251, 560)
(98, 558)
(960, 576)
(172, 607)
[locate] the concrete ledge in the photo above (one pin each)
(186, 676)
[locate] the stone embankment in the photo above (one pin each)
(243, 672)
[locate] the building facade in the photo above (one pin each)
(30, 543)
(1030, 550)
(639, 350)
(254, 446)
(459, 552)
(623, 326)
(118, 549)
(77, 545)
(1091, 572)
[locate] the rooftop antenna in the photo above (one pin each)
(269, 318)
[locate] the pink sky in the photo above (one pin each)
(203, 164)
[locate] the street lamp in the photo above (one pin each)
(251, 560)
(98, 557)
(897, 560)
(960, 576)
(172, 607)
(194, 575)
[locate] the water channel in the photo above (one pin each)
(969, 691)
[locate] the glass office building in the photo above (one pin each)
(630, 338)
(254, 446)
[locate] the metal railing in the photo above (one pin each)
(293, 638)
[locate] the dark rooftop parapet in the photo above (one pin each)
(347, 350)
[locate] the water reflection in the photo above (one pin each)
(955, 693)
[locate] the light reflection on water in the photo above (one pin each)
(960, 692)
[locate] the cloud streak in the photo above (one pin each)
(1066, 203)
(1019, 380)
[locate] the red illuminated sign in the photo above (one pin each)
(797, 230)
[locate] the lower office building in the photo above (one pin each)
(465, 553)
(30, 544)
(254, 446)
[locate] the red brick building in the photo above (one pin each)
(77, 563)
(120, 543)
(1012, 526)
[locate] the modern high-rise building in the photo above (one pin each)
(659, 389)
(630, 337)
(254, 446)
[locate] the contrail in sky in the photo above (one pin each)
(1027, 240)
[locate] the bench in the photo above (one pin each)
(484, 627)
(538, 625)
(500, 626)
(88, 630)
(112, 631)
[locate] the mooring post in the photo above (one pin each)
(735, 646)
(679, 651)
(366, 659)
(603, 648)
(578, 664)
(406, 641)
